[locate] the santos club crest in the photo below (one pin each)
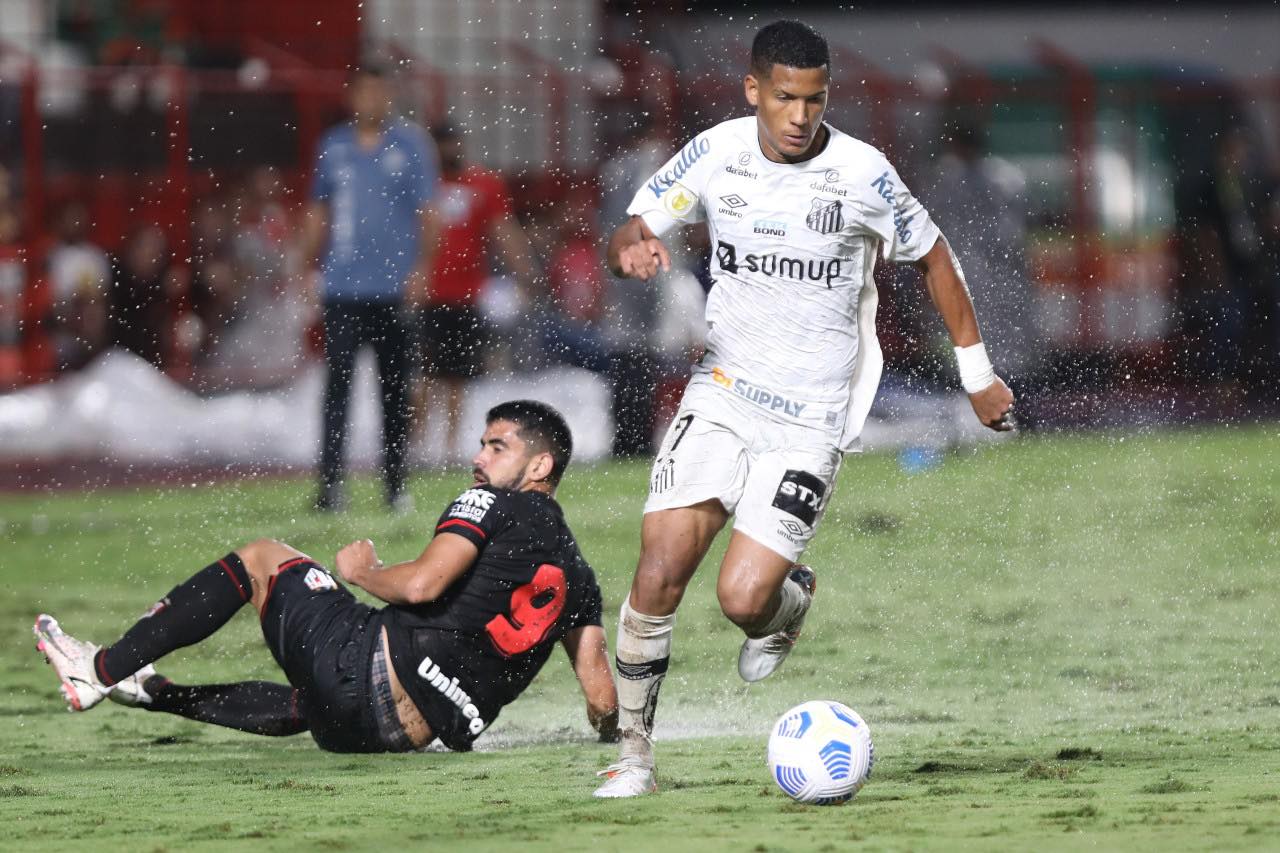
(825, 217)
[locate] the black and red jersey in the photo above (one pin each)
(467, 654)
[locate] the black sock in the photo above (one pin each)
(190, 612)
(257, 707)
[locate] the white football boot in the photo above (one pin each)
(132, 691)
(760, 657)
(632, 776)
(72, 659)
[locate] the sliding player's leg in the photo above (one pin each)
(256, 707)
(191, 612)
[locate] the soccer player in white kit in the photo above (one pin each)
(797, 212)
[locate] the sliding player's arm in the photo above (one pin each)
(445, 559)
(636, 252)
(589, 654)
(950, 295)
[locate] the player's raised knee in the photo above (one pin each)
(263, 555)
(744, 608)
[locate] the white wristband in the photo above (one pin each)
(976, 372)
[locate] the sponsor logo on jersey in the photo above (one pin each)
(762, 397)
(679, 200)
(472, 504)
(744, 158)
(825, 270)
(770, 227)
(732, 202)
(429, 671)
(800, 494)
(792, 530)
(831, 176)
(822, 187)
(825, 217)
(740, 172)
(318, 579)
(690, 154)
(884, 187)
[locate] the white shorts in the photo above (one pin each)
(775, 478)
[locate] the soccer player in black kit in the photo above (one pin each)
(468, 625)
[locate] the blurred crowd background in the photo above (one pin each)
(1107, 175)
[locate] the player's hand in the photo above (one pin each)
(356, 559)
(994, 406)
(644, 259)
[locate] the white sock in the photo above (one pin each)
(791, 601)
(644, 648)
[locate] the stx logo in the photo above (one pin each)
(825, 270)
(800, 494)
(690, 154)
(884, 187)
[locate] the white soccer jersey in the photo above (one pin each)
(791, 319)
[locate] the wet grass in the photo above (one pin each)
(1059, 643)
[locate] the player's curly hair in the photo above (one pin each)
(542, 427)
(790, 43)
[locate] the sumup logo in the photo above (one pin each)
(689, 155)
(772, 264)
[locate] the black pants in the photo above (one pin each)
(633, 377)
(347, 326)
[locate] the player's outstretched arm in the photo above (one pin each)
(636, 252)
(445, 559)
(991, 399)
(589, 653)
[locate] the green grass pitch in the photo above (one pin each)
(1065, 642)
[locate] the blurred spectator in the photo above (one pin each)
(140, 303)
(634, 320)
(1226, 297)
(473, 208)
(373, 181)
(987, 229)
(79, 276)
(575, 276)
(13, 286)
(255, 308)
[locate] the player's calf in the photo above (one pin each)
(762, 654)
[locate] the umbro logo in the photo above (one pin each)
(733, 200)
(795, 528)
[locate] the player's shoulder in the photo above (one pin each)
(477, 503)
(741, 128)
(846, 151)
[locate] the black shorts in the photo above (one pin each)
(323, 639)
(454, 340)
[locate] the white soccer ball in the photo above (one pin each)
(820, 753)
